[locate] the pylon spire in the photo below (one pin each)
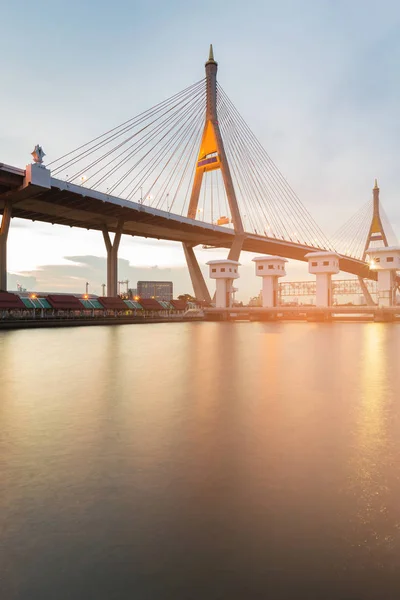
(211, 55)
(376, 185)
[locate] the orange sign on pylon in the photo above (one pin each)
(208, 158)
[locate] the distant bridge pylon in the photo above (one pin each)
(368, 228)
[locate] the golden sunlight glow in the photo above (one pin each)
(371, 439)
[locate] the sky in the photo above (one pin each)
(317, 82)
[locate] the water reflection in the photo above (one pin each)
(200, 460)
(373, 459)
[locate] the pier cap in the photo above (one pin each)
(383, 249)
(224, 269)
(270, 266)
(326, 262)
(322, 254)
(269, 257)
(224, 261)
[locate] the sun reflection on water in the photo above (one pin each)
(372, 456)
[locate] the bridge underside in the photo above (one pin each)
(73, 206)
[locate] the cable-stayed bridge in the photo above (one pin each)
(188, 170)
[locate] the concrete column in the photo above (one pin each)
(323, 289)
(222, 288)
(112, 259)
(199, 285)
(270, 291)
(4, 229)
(386, 288)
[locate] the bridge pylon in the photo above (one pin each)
(212, 152)
(376, 233)
(212, 156)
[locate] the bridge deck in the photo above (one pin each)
(75, 206)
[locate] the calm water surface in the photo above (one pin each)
(200, 461)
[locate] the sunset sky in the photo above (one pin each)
(317, 82)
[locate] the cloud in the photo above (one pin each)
(27, 281)
(72, 277)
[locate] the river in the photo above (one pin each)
(200, 461)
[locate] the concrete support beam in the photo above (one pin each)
(4, 229)
(199, 285)
(367, 296)
(112, 258)
(236, 248)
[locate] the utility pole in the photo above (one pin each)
(103, 285)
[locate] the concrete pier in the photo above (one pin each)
(323, 265)
(270, 268)
(224, 272)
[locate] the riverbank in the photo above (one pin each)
(42, 323)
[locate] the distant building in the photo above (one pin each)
(159, 290)
(256, 301)
(132, 293)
